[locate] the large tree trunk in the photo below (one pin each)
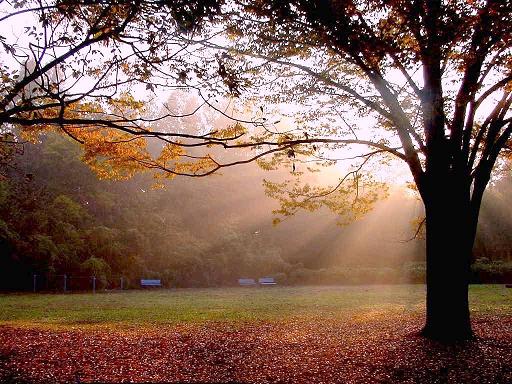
(449, 244)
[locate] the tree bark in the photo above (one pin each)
(449, 245)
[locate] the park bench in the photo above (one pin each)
(246, 282)
(150, 283)
(266, 281)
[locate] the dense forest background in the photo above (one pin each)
(57, 217)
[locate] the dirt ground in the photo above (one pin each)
(357, 350)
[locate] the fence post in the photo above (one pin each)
(34, 282)
(65, 282)
(94, 284)
(121, 283)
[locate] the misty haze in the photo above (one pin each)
(240, 191)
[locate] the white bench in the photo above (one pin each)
(150, 283)
(266, 281)
(246, 282)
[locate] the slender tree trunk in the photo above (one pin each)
(449, 244)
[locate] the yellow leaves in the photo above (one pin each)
(126, 100)
(349, 200)
(126, 105)
(170, 152)
(171, 162)
(231, 131)
(158, 185)
(268, 165)
(197, 167)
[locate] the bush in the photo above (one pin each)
(484, 270)
(414, 272)
(345, 275)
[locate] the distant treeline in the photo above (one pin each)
(57, 218)
(482, 271)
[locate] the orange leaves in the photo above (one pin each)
(112, 154)
(170, 152)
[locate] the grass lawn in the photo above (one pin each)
(156, 307)
(349, 334)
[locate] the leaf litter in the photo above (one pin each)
(303, 350)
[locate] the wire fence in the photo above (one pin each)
(76, 283)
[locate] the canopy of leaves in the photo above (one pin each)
(426, 82)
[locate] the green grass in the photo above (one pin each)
(161, 307)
